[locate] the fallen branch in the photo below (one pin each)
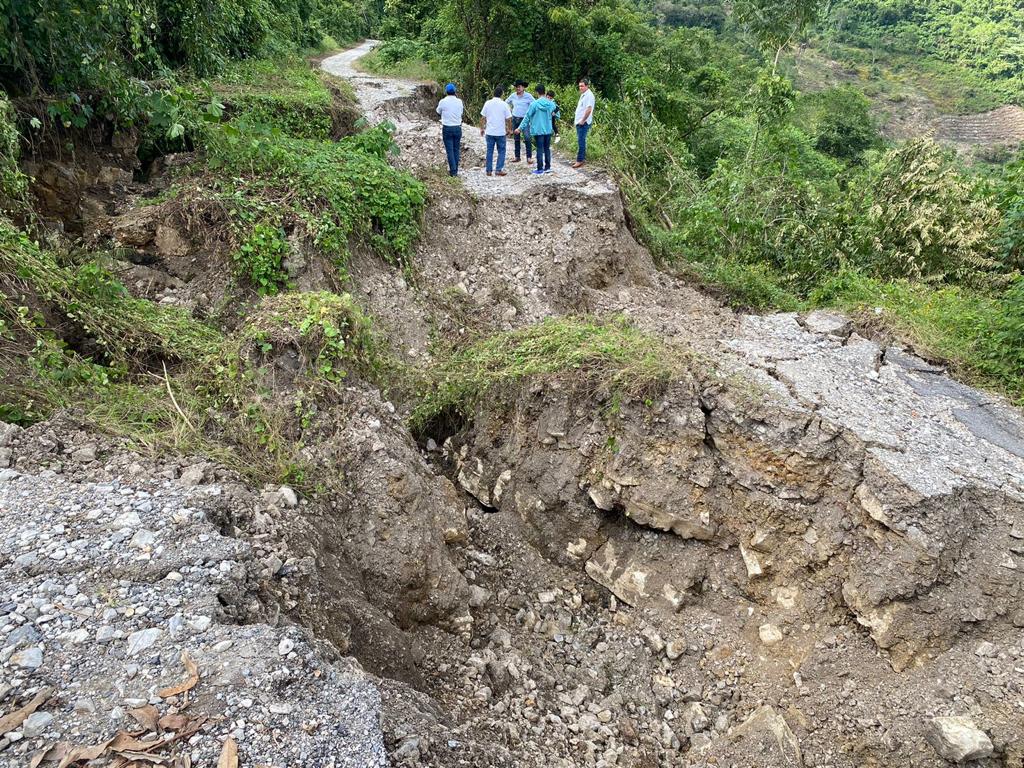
(174, 402)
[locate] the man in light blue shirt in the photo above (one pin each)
(519, 102)
(450, 110)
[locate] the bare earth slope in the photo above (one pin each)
(837, 488)
(806, 549)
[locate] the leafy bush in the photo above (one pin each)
(329, 330)
(286, 93)
(13, 183)
(261, 256)
(336, 190)
(399, 49)
(842, 124)
(913, 214)
(1010, 198)
(101, 58)
(66, 324)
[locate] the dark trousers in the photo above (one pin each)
(529, 149)
(581, 140)
(492, 142)
(543, 150)
(451, 135)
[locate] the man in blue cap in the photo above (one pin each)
(450, 110)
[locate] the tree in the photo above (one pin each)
(775, 24)
(914, 214)
(843, 126)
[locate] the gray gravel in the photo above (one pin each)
(104, 586)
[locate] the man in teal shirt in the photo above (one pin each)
(536, 124)
(519, 101)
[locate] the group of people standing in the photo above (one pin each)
(532, 119)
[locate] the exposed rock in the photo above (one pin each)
(958, 739)
(36, 724)
(765, 734)
(769, 634)
(170, 242)
(143, 640)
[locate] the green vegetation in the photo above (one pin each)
(71, 335)
(611, 357)
(68, 324)
(734, 177)
(284, 92)
(95, 57)
(400, 57)
(260, 258)
(12, 182)
(333, 191)
(329, 330)
(975, 44)
(783, 199)
(279, 176)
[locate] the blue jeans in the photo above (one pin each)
(581, 140)
(499, 142)
(516, 121)
(451, 135)
(543, 150)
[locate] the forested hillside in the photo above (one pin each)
(781, 198)
(977, 42)
(983, 37)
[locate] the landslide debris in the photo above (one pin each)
(629, 528)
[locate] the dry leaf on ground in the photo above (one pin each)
(172, 722)
(228, 754)
(186, 685)
(53, 752)
(148, 717)
(125, 741)
(12, 720)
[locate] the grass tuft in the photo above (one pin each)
(611, 356)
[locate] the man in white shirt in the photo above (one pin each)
(495, 125)
(584, 119)
(450, 110)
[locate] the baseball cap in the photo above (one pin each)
(450, 88)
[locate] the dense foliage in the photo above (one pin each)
(986, 36)
(783, 198)
(112, 57)
(733, 175)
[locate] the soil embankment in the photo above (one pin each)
(805, 548)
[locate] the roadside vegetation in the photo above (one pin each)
(612, 359)
(400, 58)
(279, 165)
(780, 199)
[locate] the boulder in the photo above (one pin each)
(958, 739)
